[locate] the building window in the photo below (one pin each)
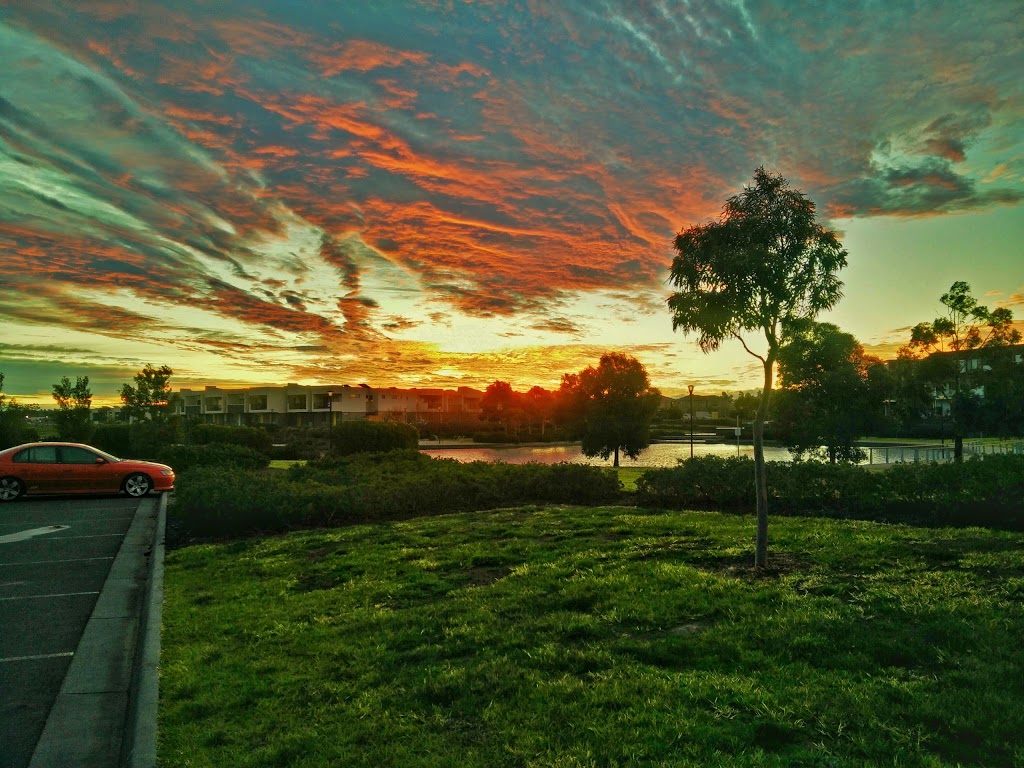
(257, 402)
(296, 402)
(319, 401)
(214, 404)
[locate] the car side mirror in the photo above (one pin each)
(100, 460)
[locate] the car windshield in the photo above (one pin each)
(105, 455)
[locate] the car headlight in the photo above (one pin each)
(167, 472)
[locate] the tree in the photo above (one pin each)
(539, 406)
(825, 400)
(73, 403)
(966, 326)
(501, 404)
(764, 264)
(15, 428)
(613, 404)
(150, 397)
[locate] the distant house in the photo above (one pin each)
(321, 404)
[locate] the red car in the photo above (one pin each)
(44, 468)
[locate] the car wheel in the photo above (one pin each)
(137, 485)
(10, 488)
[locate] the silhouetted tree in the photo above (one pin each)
(15, 428)
(966, 327)
(825, 401)
(614, 404)
(764, 264)
(150, 397)
(72, 417)
(502, 405)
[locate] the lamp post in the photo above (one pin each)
(330, 420)
(690, 387)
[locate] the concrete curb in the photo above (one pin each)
(101, 691)
(139, 746)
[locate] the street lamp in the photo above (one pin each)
(330, 420)
(690, 387)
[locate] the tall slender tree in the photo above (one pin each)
(965, 327)
(764, 263)
(73, 403)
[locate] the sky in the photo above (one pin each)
(451, 193)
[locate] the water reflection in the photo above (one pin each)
(658, 455)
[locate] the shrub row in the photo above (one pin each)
(980, 491)
(251, 437)
(183, 458)
(372, 436)
(376, 487)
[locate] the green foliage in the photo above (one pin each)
(980, 491)
(373, 437)
(72, 418)
(763, 266)
(149, 438)
(373, 487)
(115, 438)
(825, 402)
(216, 456)
(252, 437)
(15, 428)
(966, 327)
(613, 405)
(150, 397)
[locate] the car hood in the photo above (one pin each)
(136, 464)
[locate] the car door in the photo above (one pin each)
(83, 470)
(38, 467)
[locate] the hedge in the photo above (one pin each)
(372, 437)
(256, 438)
(370, 488)
(979, 491)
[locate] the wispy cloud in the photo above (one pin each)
(336, 174)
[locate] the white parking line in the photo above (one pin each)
(11, 538)
(53, 562)
(40, 597)
(76, 520)
(41, 656)
(94, 536)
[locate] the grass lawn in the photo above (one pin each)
(286, 463)
(571, 636)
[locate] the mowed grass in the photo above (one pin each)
(569, 636)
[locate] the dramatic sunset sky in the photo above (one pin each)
(446, 193)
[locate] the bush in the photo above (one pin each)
(373, 487)
(183, 458)
(980, 491)
(114, 438)
(372, 437)
(251, 437)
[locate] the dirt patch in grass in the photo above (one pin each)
(741, 566)
(481, 576)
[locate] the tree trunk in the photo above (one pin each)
(616, 456)
(958, 446)
(760, 480)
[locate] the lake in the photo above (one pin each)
(657, 455)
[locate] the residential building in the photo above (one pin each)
(321, 404)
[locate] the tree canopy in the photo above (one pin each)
(613, 404)
(826, 400)
(151, 395)
(765, 264)
(73, 403)
(966, 326)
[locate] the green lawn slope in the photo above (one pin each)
(574, 636)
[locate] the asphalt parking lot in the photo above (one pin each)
(55, 556)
